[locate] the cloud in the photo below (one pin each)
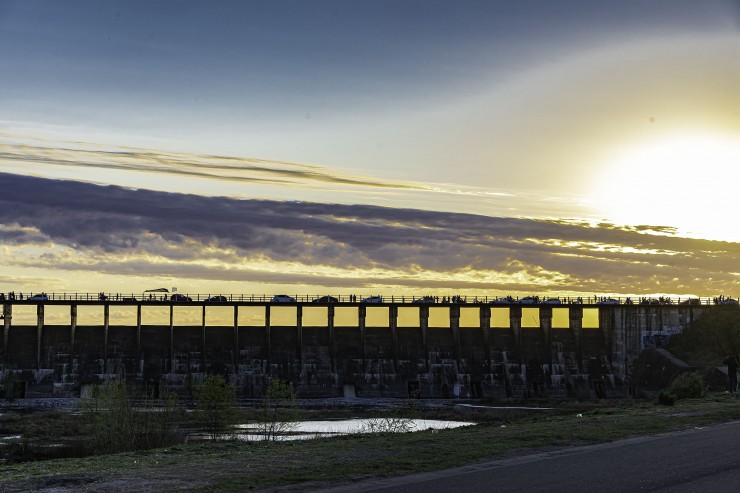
(136, 232)
(182, 164)
(13, 234)
(213, 175)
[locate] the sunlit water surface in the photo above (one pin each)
(303, 430)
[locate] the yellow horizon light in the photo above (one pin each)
(686, 181)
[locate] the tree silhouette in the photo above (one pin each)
(710, 338)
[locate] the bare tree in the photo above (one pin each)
(279, 413)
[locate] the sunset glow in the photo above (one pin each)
(685, 181)
(475, 148)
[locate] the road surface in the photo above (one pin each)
(701, 460)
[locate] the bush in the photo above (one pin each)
(398, 419)
(710, 337)
(12, 387)
(156, 421)
(118, 426)
(687, 386)
(666, 398)
(109, 410)
(216, 407)
(279, 413)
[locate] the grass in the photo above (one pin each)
(238, 466)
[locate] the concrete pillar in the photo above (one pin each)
(515, 324)
(424, 325)
(203, 340)
(485, 326)
(604, 327)
(7, 318)
(268, 340)
(546, 327)
(72, 330)
(138, 337)
(39, 332)
(236, 337)
(393, 324)
(575, 316)
(632, 331)
(361, 316)
(172, 338)
(614, 348)
(299, 328)
(455, 327)
(106, 328)
(330, 323)
(623, 354)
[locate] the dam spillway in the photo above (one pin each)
(484, 359)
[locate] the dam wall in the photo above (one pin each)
(485, 359)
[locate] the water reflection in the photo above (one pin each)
(304, 430)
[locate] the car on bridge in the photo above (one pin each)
(372, 299)
(552, 301)
(39, 297)
(217, 299)
(608, 301)
(282, 298)
(502, 301)
(180, 298)
(528, 300)
(325, 299)
(424, 300)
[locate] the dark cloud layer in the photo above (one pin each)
(108, 221)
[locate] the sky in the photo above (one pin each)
(387, 147)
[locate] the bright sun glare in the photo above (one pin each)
(689, 182)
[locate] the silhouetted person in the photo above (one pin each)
(731, 362)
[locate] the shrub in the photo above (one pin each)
(387, 424)
(710, 337)
(666, 398)
(216, 407)
(109, 411)
(687, 386)
(279, 413)
(398, 419)
(12, 386)
(118, 426)
(155, 422)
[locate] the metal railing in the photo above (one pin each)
(166, 297)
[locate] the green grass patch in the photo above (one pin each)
(237, 466)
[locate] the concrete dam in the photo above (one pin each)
(500, 355)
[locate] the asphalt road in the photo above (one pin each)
(701, 460)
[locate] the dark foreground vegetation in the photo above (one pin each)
(710, 338)
(233, 465)
(110, 418)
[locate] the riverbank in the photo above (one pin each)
(301, 466)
